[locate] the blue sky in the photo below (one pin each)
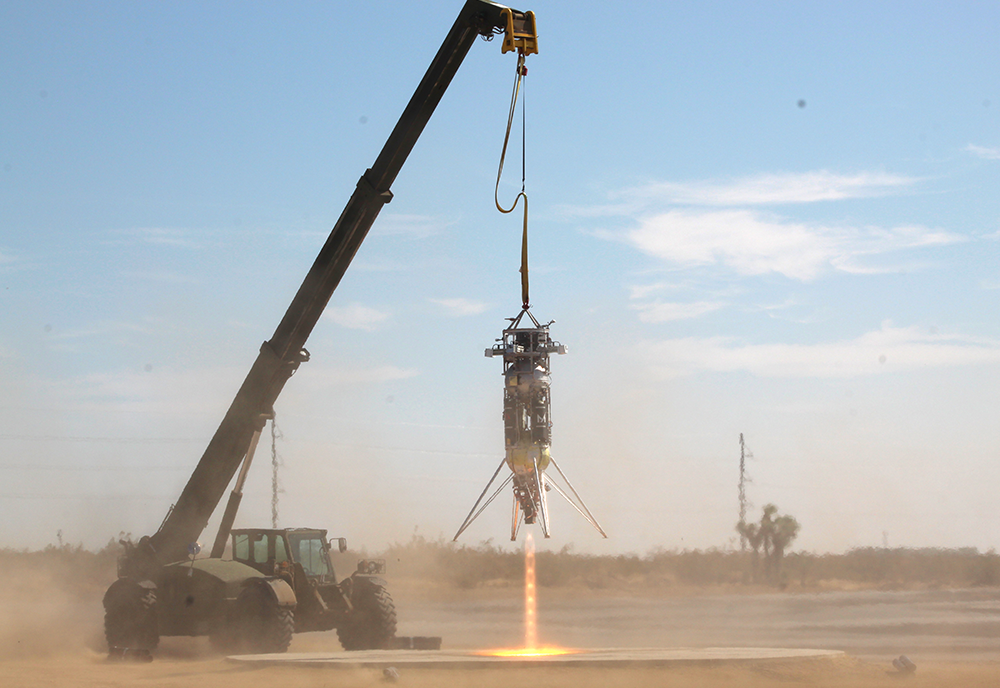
(778, 220)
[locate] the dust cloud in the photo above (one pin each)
(51, 627)
(48, 607)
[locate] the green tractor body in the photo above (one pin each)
(279, 581)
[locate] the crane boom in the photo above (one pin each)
(281, 355)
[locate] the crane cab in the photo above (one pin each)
(280, 552)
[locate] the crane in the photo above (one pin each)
(162, 589)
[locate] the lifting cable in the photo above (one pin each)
(521, 72)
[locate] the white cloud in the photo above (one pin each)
(774, 307)
(754, 190)
(753, 244)
(336, 377)
(356, 316)
(737, 238)
(103, 328)
(167, 392)
(789, 310)
(772, 189)
(379, 264)
(161, 390)
(641, 291)
(161, 236)
(415, 226)
(721, 223)
(162, 276)
(890, 349)
(664, 312)
(983, 152)
(461, 307)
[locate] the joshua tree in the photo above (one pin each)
(767, 528)
(773, 534)
(784, 530)
(752, 534)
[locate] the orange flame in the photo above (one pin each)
(525, 652)
(530, 606)
(530, 648)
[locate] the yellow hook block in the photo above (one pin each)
(520, 33)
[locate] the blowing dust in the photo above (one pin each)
(51, 633)
(48, 607)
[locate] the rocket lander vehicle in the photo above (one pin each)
(525, 349)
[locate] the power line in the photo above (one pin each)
(202, 440)
(75, 467)
(109, 440)
(83, 498)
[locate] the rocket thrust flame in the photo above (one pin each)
(528, 428)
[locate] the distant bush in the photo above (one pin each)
(487, 565)
(900, 567)
(441, 563)
(72, 568)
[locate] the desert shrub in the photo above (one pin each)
(73, 568)
(83, 573)
(459, 565)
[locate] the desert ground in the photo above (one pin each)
(51, 636)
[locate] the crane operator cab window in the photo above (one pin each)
(260, 550)
(280, 550)
(241, 547)
(310, 552)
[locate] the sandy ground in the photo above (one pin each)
(54, 639)
(871, 625)
(91, 670)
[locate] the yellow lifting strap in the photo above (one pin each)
(521, 71)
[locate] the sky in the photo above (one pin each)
(776, 219)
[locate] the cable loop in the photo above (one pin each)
(521, 72)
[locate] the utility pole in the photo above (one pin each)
(743, 492)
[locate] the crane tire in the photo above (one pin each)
(372, 623)
(130, 616)
(259, 624)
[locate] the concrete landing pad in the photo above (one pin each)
(591, 657)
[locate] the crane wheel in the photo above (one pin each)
(130, 617)
(372, 624)
(257, 624)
